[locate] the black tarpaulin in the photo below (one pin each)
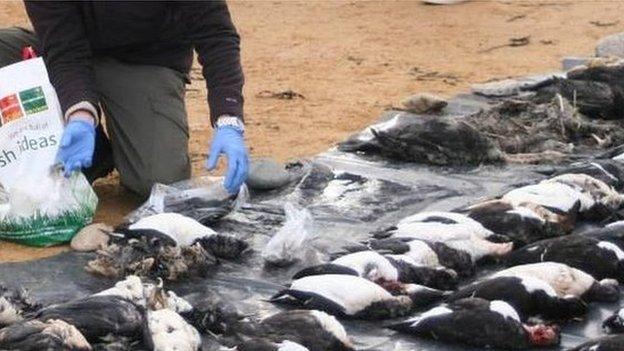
(349, 196)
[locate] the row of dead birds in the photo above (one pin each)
(551, 275)
(554, 122)
(416, 263)
(139, 315)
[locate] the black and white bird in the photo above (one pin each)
(599, 258)
(35, 335)
(315, 330)
(609, 171)
(567, 281)
(186, 231)
(521, 223)
(481, 323)
(555, 197)
(385, 269)
(183, 230)
(169, 331)
(614, 324)
(605, 343)
(458, 236)
(527, 295)
(428, 254)
(599, 200)
(345, 296)
(447, 218)
(15, 306)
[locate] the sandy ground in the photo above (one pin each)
(350, 60)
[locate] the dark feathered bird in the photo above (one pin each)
(600, 258)
(15, 305)
(614, 324)
(522, 224)
(425, 139)
(597, 89)
(609, 171)
(567, 281)
(478, 322)
(98, 316)
(147, 257)
(316, 330)
(211, 313)
(528, 296)
(35, 335)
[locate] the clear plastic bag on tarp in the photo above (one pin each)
(38, 206)
(202, 198)
(294, 240)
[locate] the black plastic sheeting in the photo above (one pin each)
(349, 197)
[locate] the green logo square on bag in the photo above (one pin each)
(33, 100)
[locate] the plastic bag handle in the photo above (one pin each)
(28, 53)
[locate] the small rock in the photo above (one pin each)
(612, 45)
(267, 174)
(424, 103)
(509, 87)
(91, 237)
(505, 87)
(570, 62)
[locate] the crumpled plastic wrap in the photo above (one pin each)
(294, 241)
(202, 198)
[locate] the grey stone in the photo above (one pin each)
(509, 87)
(570, 62)
(612, 45)
(506, 87)
(267, 174)
(91, 238)
(424, 103)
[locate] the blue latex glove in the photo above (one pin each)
(229, 140)
(77, 145)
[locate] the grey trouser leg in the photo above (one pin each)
(145, 115)
(146, 122)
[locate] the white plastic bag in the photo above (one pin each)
(293, 241)
(38, 206)
(203, 199)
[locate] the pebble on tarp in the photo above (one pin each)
(91, 238)
(267, 174)
(424, 103)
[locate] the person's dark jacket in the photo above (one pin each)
(150, 33)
